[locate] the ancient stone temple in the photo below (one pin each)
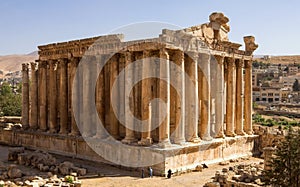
(173, 102)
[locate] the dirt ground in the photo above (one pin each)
(108, 176)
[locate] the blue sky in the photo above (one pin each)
(25, 24)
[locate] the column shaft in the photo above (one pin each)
(100, 99)
(192, 97)
(239, 99)
(230, 100)
(220, 98)
(180, 99)
(129, 124)
(52, 95)
(205, 97)
(25, 96)
(164, 94)
(114, 124)
(42, 96)
(248, 97)
(34, 97)
(145, 99)
(74, 89)
(63, 100)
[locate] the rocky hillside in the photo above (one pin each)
(11, 63)
(280, 59)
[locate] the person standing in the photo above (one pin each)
(169, 173)
(143, 174)
(150, 172)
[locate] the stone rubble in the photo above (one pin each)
(242, 175)
(12, 176)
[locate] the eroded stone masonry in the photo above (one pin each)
(209, 121)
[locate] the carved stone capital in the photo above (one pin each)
(230, 62)
(43, 64)
(163, 53)
(205, 57)
(248, 64)
(178, 57)
(128, 57)
(25, 66)
(220, 59)
(53, 64)
(146, 53)
(63, 61)
(239, 63)
(33, 66)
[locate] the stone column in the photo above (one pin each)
(129, 124)
(114, 124)
(87, 78)
(25, 96)
(164, 94)
(239, 98)
(42, 96)
(100, 99)
(230, 100)
(34, 97)
(74, 89)
(220, 98)
(63, 99)
(205, 96)
(192, 98)
(180, 99)
(145, 99)
(248, 97)
(52, 95)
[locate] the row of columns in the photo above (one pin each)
(51, 92)
(47, 98)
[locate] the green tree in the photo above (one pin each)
(286, 162)
(10, 102)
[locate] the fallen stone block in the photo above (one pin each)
(13, 153)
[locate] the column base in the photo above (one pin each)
(100, 136)
(249, 132)
(180, 141)
(241, 133)
(206, 138)
(129, 140)
(25, 127)
(145, 142)
(195, 140)
(230, 134)
(164, 144)
(52, 131)
(86, 135)
(74, 134)
(41, 130)
(220, 135)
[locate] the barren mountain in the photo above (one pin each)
(14, 62)
(281, 59)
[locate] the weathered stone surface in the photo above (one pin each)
(13, 153)
(212, 184)
(218, 17)
(199, 168)
(14, 172)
